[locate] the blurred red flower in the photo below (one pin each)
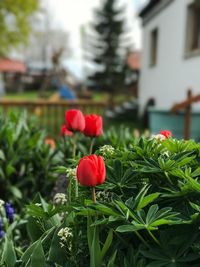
(64, 131)
(166, 133)
(93, 125)
(75, 120)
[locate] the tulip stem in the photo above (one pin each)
(76, 188)
(64, 141)
(73, 155)
(91, 145)
(74, 146)
(93, 194)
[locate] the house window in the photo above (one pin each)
(153, 47)
(193, 27)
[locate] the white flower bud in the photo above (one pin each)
(159, 137)
(107, 150)
(60, 198)
(65, 235)
(71, 173)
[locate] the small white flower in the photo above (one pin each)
(103, 196)
(61, 244)
(166, 153)
(107, 150)
(38, 204)
(159, 137)
(60, 198)
(71, 173)
(65, 233)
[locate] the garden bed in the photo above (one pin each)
(130, 202)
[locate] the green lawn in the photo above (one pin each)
(32, 95)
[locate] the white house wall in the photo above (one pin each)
(173, 74)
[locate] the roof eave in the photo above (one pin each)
(148, 7)
(149, 13)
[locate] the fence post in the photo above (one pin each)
(187, 124)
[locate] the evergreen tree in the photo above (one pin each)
(107, 47)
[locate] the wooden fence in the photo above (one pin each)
(51, 114)
(187, 106)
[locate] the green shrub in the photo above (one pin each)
(146, 214)
(26, 162)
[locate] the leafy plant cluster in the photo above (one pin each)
(26, 162)
(147, 212)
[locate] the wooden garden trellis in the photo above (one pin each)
(50, 114)
(187, 106)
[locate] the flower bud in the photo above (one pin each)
(107, 150)
(93, 125)
(75, 120)
(9, 212)
(64, 131)
(59, 198)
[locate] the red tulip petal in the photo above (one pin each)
(87, 172)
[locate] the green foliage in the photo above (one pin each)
(8, 256)
(26, 162)
(15, 25)
(96, 253)
(147, 212)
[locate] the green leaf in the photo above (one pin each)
(45, 240)
(151, 213)
(111, 262)
(37, 211)
(129, 228)
(105, 209)
(2, 155)
(38, 258)
(56, 253)
(27, 254)
(33, 228)
(90, 233)
(107, 243)
(118, 168)
(95, 255)
(60, 169)
(10, 169)
(16, 192)
(8, 255)
(195, 206)
(146, 200)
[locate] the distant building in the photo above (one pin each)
(171, 51)
(134, 64)
(12, 72)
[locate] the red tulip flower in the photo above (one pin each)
(75, 120)
(166, 133)
(64, 131)
(93, 125)
(91, 171)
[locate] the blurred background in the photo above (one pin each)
(128, 60)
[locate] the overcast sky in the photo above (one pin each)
(69, 15)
